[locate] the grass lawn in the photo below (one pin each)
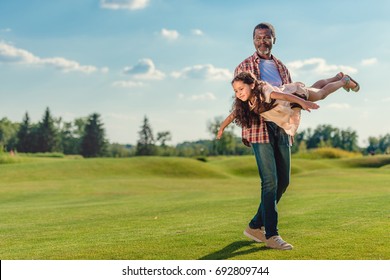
(154, 208)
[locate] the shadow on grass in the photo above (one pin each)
(234, 249)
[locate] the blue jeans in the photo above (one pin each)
(273, 163)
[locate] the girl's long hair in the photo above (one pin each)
(245, 117)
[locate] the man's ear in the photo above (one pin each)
(273, 40)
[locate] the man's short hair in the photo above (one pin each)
(265, 25)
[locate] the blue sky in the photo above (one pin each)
(173, 60)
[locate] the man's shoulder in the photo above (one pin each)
(249, 59)
(247, 64)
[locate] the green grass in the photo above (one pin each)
(177, 208)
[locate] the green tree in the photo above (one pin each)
(79, 126)
(384, 144)
(93, 142)
(379, 145)
(71, 134)
(299, 144)
(145, 144)
(48, 138)
(25, 144)
(373, 145)
(163, 137)
(348, 140)
(8, 134)
(227, 144)
(120, 151)
(328, 136)
(69, 142)
(321, 137)
(164, 149)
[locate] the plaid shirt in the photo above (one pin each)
(258, 133)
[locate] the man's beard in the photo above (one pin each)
(264, 52)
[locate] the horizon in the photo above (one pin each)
(184, 141)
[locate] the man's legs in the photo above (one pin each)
(265, 160)
(283, 166)
(273, 162)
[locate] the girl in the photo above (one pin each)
(280, 105)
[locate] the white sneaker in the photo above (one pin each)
(276, 242)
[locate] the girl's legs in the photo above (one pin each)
(321, 83)
(316, 94)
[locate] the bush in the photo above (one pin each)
(202, 159)
(6, 159)
(45, 155)
(369, 162)
(327, 152)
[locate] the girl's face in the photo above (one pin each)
(243, 91)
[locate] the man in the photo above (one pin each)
(270, 144)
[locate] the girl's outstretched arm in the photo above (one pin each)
(306, 105)
(224, 124)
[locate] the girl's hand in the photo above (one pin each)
(219, 134)
(307, 105)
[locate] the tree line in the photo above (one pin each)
(86, 137)
(229, 144)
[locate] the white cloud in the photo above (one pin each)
(124, 4)
(169, 34)
(369, 61)
(145, 70)
(67, 65)
(198, 97)
(207, 71)
(339, 106)
(10, 54)
(5, 30)
(127, 84)
(197, 32)
(317, 66)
